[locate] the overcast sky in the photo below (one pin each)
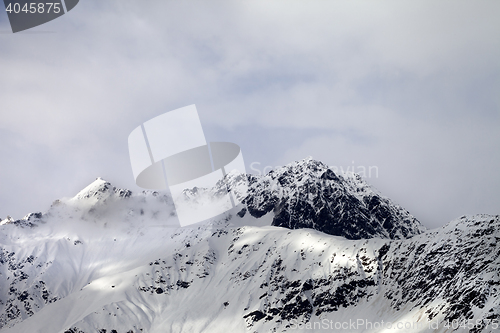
(412, 88)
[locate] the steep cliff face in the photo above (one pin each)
(109, 260)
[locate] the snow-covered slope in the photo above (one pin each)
(109, 260)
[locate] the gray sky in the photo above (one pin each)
(412, 88)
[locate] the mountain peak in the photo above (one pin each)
(308, 162)
(310, 194)
(97, 189)
(100, 190)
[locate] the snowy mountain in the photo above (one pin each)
(109, 260)
(309, 194)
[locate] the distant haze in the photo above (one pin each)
(411, 89)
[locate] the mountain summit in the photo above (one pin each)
(309, 194)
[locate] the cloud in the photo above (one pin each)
(403, 85)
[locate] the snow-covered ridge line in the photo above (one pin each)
(302, 194)
(109, 259)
